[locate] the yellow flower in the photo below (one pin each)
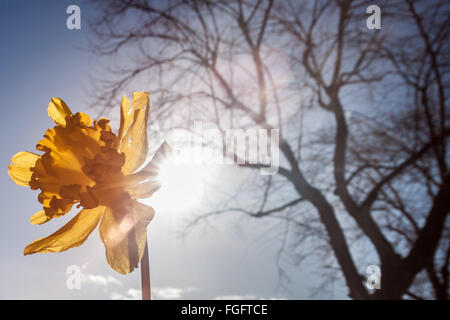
(88, 165)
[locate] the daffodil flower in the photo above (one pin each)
(87, 165)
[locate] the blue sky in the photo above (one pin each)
(40, 58)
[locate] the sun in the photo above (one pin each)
(182, 183)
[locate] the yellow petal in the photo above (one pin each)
(143, 190)
(71, 235)
(20, 169)
(133, 131)
(140, 100)
(58, 111)
(39, 218)
(125, 120)
(145, 182)
(123, 231)
(151, 169)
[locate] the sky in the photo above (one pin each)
(230, 258)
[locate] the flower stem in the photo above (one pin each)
(145, 275)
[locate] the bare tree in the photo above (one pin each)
(363, 116)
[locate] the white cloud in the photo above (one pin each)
(168, 293)
(99, 280)
(131, 294)
(244, 297)
(171, 292)
(158, 293)
(236, 297)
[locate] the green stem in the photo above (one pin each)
(145, 275)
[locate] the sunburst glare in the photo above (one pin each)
(182, 183)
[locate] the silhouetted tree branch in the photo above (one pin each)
(372, 171)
